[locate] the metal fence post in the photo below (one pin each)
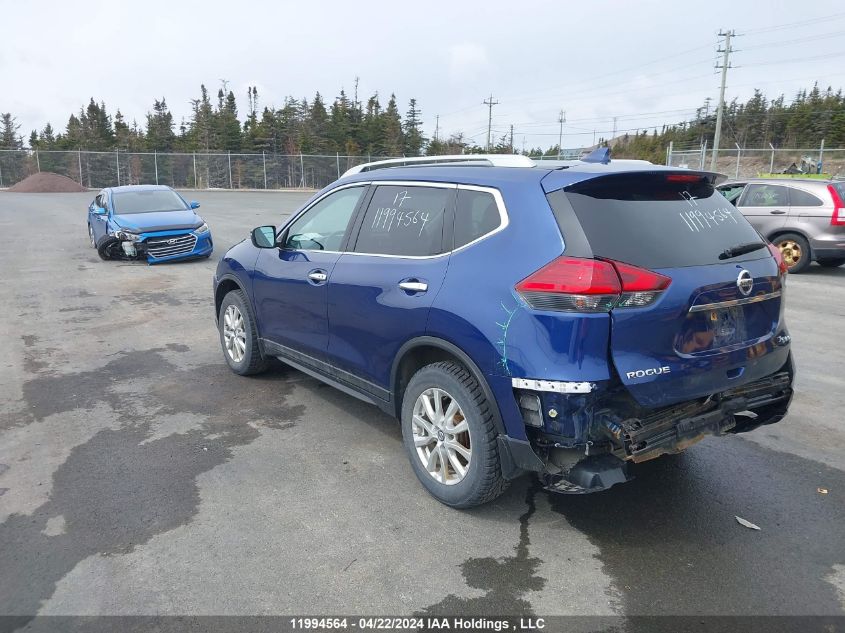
(79, 158)
(772, 160)
(117, 162)
(302, 169)
(821, 157)
(338, 164)
(264, 162)
(230, 169)
(738, 154)
(196, 185)
(155, 162)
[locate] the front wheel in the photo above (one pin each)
(831, 263)
(448, 431)
(239, 336)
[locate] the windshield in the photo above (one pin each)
(147, 201)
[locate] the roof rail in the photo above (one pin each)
(490, 160)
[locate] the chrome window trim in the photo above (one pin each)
(735, 302)
(504, 218)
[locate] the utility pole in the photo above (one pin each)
(726, 51)
(436, 127)
(512, 139)
(614, 127)
(707, 106)
(561, 119)
(489, 103)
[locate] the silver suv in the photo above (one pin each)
(804, 218)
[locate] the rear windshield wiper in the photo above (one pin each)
(741, 249)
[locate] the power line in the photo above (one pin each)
(778, 27)
(781, 43)
(798, 59)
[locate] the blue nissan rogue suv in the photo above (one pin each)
(566, 318)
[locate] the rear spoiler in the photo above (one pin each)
(573, 174)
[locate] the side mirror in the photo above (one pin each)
(264, 236)
(100, 211)
(194, 204)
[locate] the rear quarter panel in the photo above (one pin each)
(478, 310)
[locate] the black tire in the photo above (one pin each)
(106, 247)
(801, 257)
(831, 263)
(252, 362)
(483, 480)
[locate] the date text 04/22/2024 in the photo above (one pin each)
(456, 623)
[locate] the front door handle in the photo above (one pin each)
(413, 286)
(318, 276)
(777, 212)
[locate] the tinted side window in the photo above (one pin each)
(476, 214)
(765, 196)
(323, 226)
(799, 198)
(403, 220)
(732, 192)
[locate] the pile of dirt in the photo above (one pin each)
(47, 182)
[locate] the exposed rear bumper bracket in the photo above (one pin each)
(675, 429)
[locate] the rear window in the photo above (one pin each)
(840, 189)
(648, 221)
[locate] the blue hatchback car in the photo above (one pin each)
(567, 319)
(147, 222)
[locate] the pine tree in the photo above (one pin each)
(393, 140)
(412, 129)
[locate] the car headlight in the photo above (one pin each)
(126, 236)
(202, 229)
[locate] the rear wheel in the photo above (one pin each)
(239, 336)
(795, 251)
(448, 431)
(831, 263)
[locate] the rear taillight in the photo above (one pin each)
(775, 251)
(838, 217)
(640, 287)
(573, 284)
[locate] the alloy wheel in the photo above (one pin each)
(234, 335)
(791, 252)
(441, 436)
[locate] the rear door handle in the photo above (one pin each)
(413, 286)
(777, 212)
(318, 276)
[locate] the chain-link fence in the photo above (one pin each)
(749, 163)
(197, 170)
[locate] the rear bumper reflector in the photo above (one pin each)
(735, 302)
(556, 386)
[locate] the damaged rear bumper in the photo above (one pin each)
(617, 435)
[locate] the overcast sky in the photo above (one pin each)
(645, 62)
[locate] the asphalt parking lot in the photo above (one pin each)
(138, 475)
